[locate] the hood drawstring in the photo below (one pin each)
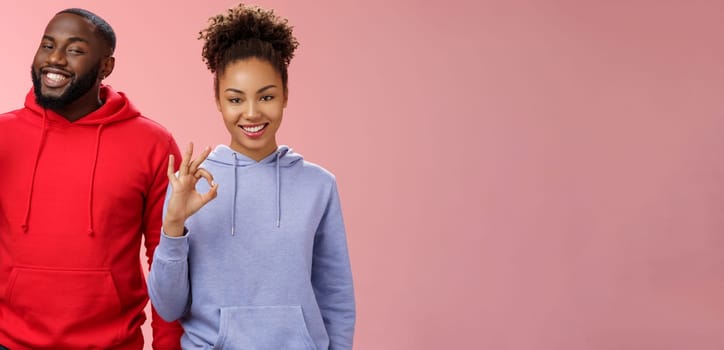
(91, 231)
(278, 156)
(279, 200)
(233, 206)
(24, 226)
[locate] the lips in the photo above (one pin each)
(254, 130)
(54, 78)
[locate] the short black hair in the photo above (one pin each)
(102, 27)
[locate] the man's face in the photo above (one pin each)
(67, 65)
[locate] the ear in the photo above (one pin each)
(107, 65)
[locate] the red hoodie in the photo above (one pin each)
(76, 199)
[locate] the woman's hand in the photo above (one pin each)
(185, 200)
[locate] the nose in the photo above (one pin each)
(252, 110)
(56, 57)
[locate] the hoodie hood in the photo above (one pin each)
(283, 157)
(116, 108)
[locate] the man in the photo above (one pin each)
(83, 181)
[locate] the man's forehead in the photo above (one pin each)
(68, 24)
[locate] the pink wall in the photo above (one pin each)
(515, 174)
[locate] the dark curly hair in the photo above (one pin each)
(244, 32)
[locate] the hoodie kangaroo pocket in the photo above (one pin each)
(263, 328)
(58, 302)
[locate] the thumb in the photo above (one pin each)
(211, 193)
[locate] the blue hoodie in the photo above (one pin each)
(262, 266)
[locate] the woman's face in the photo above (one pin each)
(252, 101)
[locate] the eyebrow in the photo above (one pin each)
(257, 91)
(71, 39)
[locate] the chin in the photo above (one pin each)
(52, 94)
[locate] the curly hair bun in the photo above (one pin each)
(247, 31)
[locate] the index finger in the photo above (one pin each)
(200, 159)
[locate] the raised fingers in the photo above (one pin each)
(186, 159)
(170, 171)
(194, 165)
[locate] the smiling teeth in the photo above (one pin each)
(55, 77)
(253, 128)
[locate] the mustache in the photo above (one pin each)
(54, 69)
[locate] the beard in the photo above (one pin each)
(75, 90)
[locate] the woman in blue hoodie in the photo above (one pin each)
(264, 265)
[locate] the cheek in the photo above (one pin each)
(228, 115)
(38, 60)
(275, 112)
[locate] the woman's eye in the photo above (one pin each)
(267, 98)
(235, 100)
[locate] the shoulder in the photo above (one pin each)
(145, 133)
(9, 117)
(12, 122)
(317, 174)
(143, 137)
(149, 127)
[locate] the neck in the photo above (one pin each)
(81, 107)
(74, 113)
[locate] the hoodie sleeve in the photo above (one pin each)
(168, 281)
(166, 335)
(332, 276)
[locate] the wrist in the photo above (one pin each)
(173, 228)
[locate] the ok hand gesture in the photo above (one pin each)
(185, 200)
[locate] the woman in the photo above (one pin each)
(264, 265)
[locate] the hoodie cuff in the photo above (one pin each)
(173, 248)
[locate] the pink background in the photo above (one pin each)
(514, 174)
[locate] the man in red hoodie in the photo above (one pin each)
(83, 182)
